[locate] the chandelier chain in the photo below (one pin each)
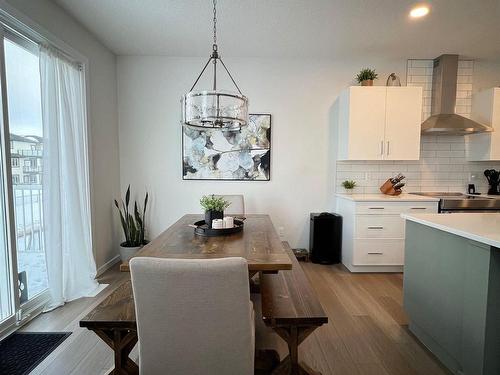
(215, 22)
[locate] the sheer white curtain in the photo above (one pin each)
(66, 200)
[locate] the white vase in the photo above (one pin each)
(349, 191)
(128, 252)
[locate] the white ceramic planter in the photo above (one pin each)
(349, 191)
(128, 252)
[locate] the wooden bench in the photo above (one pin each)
(113, 320)
(292, 309)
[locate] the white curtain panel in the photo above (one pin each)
(71, 266)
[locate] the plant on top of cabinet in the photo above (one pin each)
(366, 77)
(349, 185)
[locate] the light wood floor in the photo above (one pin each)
(367, 332)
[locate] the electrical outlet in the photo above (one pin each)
(281, 232)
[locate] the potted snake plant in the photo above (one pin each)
(133, 225)
(214, 208)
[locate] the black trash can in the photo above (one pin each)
(325, 238)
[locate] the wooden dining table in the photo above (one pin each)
(258, 243)
(113, 320)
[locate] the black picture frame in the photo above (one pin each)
(269, 136)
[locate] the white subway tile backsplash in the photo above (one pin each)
(450, 167)
(418, 71)
(462, 109)
(427, 154)
(462, 71)
(464, 79)
(465, 64)
(435, 146)
(367, 167)
(464, 86)
(450, 154)
(421, 63)
(426, 81)
(464, 94)
(462, 101)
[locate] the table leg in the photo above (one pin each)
(293, 336)
(122, 342)
(254, 287)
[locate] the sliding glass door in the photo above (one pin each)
(23, 277)
(26, 151)
(7, 308)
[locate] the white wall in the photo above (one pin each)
(298, 93)
(103, 119)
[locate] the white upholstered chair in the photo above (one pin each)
(193, 316)
(237, 206)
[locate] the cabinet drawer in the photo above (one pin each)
(379, 226)
(394, 208)
(378, 252)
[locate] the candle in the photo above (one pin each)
(217, 224)
(228, 222)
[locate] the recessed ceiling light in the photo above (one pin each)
(419, 11)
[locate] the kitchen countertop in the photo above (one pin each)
(480, 227)
(404, 197)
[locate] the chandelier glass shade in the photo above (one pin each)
(215, 108)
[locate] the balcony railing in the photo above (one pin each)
(29, 152)
(30, 169)
(29, 217)
(30, 236)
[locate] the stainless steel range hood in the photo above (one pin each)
(443, 119)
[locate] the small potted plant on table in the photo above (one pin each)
(214, 208)
(349, 186)
(366, 77)
(133, 225)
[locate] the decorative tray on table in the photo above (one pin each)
(201, 229)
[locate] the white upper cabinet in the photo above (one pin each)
(403, 119)
(380, 123)
(486, 110)
(362, 123)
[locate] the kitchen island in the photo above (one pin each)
(452, 288)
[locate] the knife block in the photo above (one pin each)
(388, 189)
(493, 189)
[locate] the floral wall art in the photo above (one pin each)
(213, 154)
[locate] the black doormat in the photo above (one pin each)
(21, 352)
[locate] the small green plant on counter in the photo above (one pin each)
(349, 184)
(213, 203)
(366, 74)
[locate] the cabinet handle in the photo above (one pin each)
(375, 253)
(381, 147)
(419, 208)
(388, 148)
(375, 227)
(375, 208)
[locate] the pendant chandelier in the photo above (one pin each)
(215, 108)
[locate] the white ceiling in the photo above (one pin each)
(337, 29)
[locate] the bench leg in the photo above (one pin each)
(122, 342)
(293, 336)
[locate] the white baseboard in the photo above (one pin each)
(106, 266)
